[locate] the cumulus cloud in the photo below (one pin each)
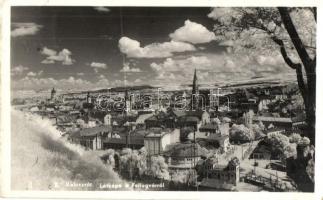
(224, 15)
(31, 74)
(102, 9)
(48, 52)
(218, 68)
(126, 68)
(102, 76)
(192, 32)
(34, 82)
(138, 80)
(22, 29)
(168, 76)
(47, 61)
(96, 66)
(175, 65)
(133, 49)
(73, 83)
(64, 56)
(180, 70)
(102, 82)
(269, 60)
(18, 70)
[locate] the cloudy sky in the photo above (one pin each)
(100, 47)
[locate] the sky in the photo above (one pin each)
(102, 47)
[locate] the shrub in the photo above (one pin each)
(241, 132)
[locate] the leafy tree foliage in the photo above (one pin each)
(288, 32)
(241, 133)
(280, 145)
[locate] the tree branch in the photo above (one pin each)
(296, 66)
(314, 11)
(283, 51)
(297, 42)
(301, 84)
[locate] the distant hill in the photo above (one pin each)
(115, 89)
(122, 89)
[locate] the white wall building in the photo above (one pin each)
(107, 119)
(155, 143)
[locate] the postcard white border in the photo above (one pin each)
(5, 105)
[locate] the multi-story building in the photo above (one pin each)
(157, 139)
(90, 138)
(214, 175)
(184, 156)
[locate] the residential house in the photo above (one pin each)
(183, 156)
(288, 123)
(216, 135)
(214, 175)
(157, 139)
(161, 119)
(90, 138)
(192, 119)
(121, 137)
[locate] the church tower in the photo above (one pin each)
(88, 98)
(195, 93)
(127, 102)
(52, 94)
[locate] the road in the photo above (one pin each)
(247, 165)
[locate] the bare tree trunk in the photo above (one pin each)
(311, 104)
(309, 90)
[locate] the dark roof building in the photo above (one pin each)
(90, 138)
(90, 132)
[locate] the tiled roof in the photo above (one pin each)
(234, 162)
(152, 118)
(133, 139)
(219, 167)
(273, 119)
(189, 119)
(86, 132)
(299, 118)
(179, 113)
(185, 150)
(143, 117)
(155, 135)
(218, 137)
(209, 127)
(158, 132)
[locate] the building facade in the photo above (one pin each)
(156, 140)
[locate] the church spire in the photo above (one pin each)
(195, 93)
(195, 87)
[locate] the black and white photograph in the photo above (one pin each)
(162, 98)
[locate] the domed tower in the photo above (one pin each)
(52, 94)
